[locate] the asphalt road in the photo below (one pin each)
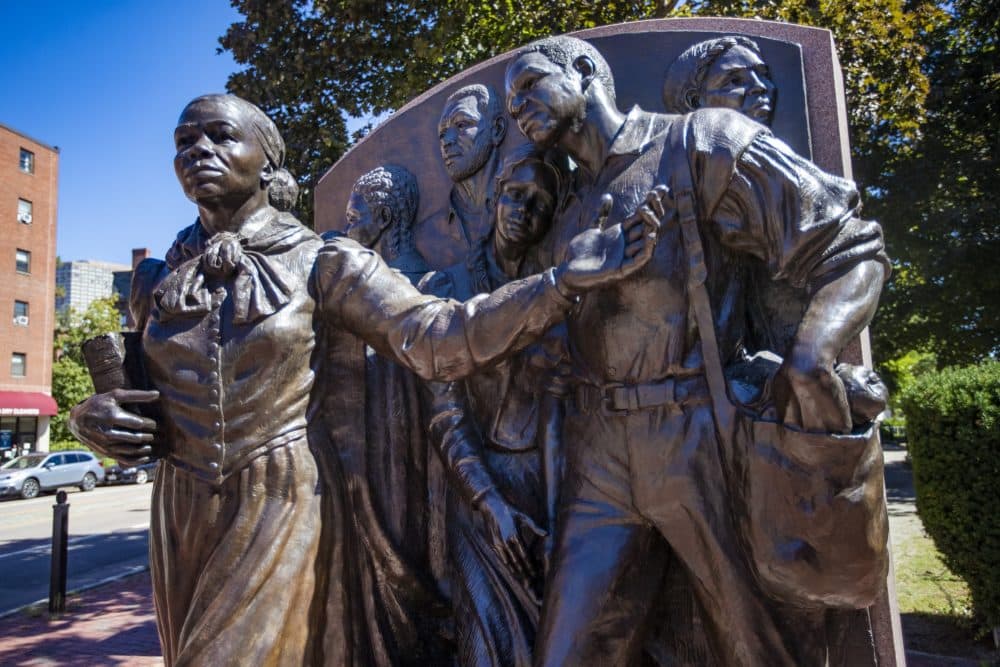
(108, 536)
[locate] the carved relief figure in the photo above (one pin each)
(404, 612)
(488, 433)
(728, 73)
(650, 464)
(471, 128)
(247, 310)
(380, 215)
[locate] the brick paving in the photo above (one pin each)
(113, 624)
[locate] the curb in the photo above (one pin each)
(135, 569)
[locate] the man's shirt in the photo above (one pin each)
(761, 207)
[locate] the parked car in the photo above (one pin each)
(43, 471)
(135, 475)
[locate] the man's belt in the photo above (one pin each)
(617, 398)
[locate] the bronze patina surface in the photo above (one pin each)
(581, 385)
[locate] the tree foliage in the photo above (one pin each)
(70, 378)
(939, 202)
(70, 385)
(312, 64)
(921, 88)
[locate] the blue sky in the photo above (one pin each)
(105, 80)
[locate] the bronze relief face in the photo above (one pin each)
(543, 98)
(465, 135)
(740, 80)
(364, 224)
(525, 204)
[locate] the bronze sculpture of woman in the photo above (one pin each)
(248, 309)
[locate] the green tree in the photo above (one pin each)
(312, 64)
(900, 374)
(70, 379)
(70, 385)
(921, 81)
(939, 202)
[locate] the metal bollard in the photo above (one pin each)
(60, 537)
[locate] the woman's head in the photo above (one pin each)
(228, 148)
(727, 72)
(527, 192)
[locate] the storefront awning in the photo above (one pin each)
(26, 404)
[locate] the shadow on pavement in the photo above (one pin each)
(26, 564)
(938, 634)
(898, 475)
(111, 625)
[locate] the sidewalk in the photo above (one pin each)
(115, 624)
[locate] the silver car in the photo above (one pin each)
(32, 473)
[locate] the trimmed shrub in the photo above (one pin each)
(953, 432)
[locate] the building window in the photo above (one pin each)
(21, 313)
(27, 161)
(17, 436)
(23, 261)
(24, 211)
(18, 364)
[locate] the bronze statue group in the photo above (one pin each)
(583, 442)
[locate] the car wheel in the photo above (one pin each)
(89, 482)
(141, 477)
(30, 488)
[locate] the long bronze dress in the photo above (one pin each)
(249, 551)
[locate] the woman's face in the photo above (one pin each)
(525, 205)
(740, 80)
(218, 157)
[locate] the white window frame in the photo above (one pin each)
(25, 211)
(18, 359)
(21, 320)
(17, 260)
(26, 166)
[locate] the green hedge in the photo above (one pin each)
(953, 431)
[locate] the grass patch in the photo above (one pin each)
(925, 585)
(935, 605)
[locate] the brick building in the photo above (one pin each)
(28, 186)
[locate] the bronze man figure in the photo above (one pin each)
(649, 471)
(470, 131)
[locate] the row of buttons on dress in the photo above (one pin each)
(214, 350)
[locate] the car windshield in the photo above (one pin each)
(23, 462)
